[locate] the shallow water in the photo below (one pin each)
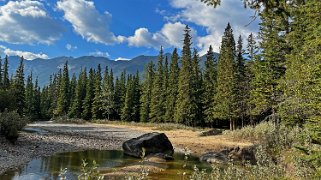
(50, 167)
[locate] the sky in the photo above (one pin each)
(116, 29)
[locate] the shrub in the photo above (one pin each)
(10, 125)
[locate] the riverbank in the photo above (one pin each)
(50, 138)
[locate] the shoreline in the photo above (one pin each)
(53, 138)
(34, 145)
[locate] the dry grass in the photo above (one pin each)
(185, 137)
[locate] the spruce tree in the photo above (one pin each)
(18, 88)
(302, 105)
(108, 94)
(225, 98)
(37, 101)
(242, 91)
(157, 110)
(29, 96)
(127, 111)
(184, 108)
(266, 93)
(120, 93)
(97, 101)
(6, 81)
(172, 89)
(209, 84)
(147, 92)
(1, 79)
(197, 90)
(87, 103)
(80, 94)
(63, 101)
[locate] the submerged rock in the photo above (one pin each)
(149, 144)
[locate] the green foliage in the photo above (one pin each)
(147, 93)
(89, 172)
(18, 88)
(10, 125)
(226, 93)
(96, 109)
(172, 89)
(209, 85)
(63, 101)
(157, 104)
(87, 104)
(185, 109)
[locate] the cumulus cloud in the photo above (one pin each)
(99, 54)
(25, 54)
(88, 22)
(171, 35)
(215, 19)
(27, 22)
(70, 47)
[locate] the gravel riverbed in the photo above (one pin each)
(47, 138)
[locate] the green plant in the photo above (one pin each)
(89, 172)
(10, 125)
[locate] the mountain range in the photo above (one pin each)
(43, 68)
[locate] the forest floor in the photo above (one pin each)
(47, 138)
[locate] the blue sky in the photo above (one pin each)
(117, 29)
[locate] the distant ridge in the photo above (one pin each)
(43, 68)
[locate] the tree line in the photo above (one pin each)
(277, 78)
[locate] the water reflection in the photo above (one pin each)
(50, 167)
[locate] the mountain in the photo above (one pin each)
(43, 68)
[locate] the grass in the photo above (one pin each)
(154, 126)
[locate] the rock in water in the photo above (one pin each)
(152, 143)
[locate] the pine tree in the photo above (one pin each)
(184, 108)
(157, 110)
(1, 79)
(6, 81)
(302, 105)
(147, 92)
(87, 104)
(19, 88)
(97, 102)
(136, 98)
(29, 96)
(172, 89)
(80, 94)
(63, 101)
(37, 101)
(108, 94)
(209, 84)
(73, 85)
(127, 111)
(197, 90)
(242, 91)
(266, 93)
(226, 94)
(120, 93)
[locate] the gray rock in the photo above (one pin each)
(214, 158)
(152, 143)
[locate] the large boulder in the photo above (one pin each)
(152, 143)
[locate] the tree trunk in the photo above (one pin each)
(231, 125)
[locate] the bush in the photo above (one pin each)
(10, 125)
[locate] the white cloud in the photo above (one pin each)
(70, 47)
(27, 22)
(122, 59)
(88, 22)
(171, 35)
(215, 19)
(25, 54)
(100, 54)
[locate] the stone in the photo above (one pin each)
(151, 143)
(212, 132)
(214, 158)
